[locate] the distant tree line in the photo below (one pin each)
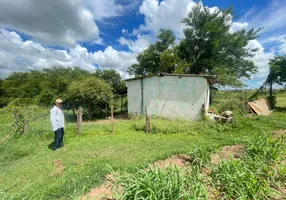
(77, 87)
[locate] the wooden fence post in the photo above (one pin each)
(112, 122)
(147, 121)
(79, 120)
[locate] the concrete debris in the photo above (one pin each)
(227, 114)
(225, 117)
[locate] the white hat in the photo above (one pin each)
(59, 101)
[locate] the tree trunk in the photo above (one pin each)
(271, 93)
(147, 121)
(89, 113)
(79, 120)
(112, 121)
(121, 102)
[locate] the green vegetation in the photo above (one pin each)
(73, 85)
(258, 174)
(252, 176)
(209, 47)
(28, 168)
(167, 183)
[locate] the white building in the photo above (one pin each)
(171, 95)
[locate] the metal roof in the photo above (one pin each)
(210, 78)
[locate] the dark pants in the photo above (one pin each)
(59, 138)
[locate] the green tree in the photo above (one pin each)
(277, 75)
(112, 77)
(91, 93)
(161, 57)
(210, 47)
(4, 100)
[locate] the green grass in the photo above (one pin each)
(27, 164)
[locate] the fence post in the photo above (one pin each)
(147, 121)
(79, 120)
(112, 122)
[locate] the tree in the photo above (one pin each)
(4, 100)
(277, 75)
(91, 92)
(112, 77)
(210, 47)
(160, 57)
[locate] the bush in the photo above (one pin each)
(22, 102)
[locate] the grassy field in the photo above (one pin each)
(30, 169)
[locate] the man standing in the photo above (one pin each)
(58, 123)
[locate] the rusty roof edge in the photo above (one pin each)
(179, 75)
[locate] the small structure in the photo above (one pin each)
(171, 96)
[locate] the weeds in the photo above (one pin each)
(158, 184)
(201, 156)
(254, 175)
(166, 126)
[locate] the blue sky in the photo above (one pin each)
(36, 34)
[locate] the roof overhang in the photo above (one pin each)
(210, 78)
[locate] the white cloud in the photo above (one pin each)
(139, 45)
(237, 26)
(18, 55)
(124, 31)
(113, 59)
(167, 14)
(280, 42)
(271, 18)
(261, 59)
(52, 22)
(105, 9)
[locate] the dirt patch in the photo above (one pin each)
(279, 133)
(3, 140)
(58, 168)
(117, 118)
(281, 193)
(227, 152)
(103, 192)
(178, 160)
(107, 121)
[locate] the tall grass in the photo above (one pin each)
(166, 126)
(252, 176)
(159, 184)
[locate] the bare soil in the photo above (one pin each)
(103, 192)
(279, 133)
(178, 160)
(117, 118)
(58, 168)
(228, 152)
(102, 121)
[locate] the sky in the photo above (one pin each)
(108, 34)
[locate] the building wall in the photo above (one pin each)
(169, 96)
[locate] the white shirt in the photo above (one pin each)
(57, 118)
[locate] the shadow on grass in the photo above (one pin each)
(280, 109)
(51, 145)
